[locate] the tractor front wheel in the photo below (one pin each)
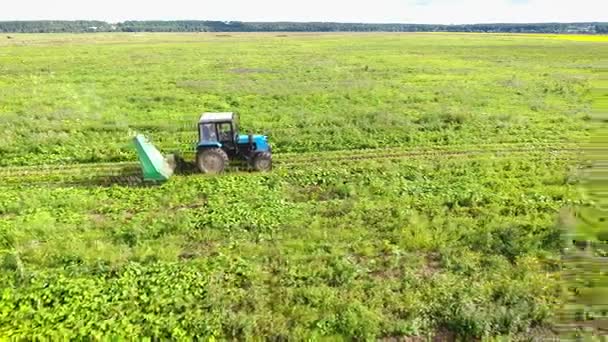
(262, 161)
(211, 160)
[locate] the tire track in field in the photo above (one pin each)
(129, 173)
(420, 153)
(295, 157)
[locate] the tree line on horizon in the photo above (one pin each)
(51, 26)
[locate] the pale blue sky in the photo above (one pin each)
(399, 11)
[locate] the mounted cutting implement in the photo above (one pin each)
(153, 165)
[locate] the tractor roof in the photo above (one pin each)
(216, 117)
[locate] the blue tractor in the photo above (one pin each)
(219, 142)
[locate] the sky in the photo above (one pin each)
(363, 11)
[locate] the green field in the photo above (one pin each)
(422, 183)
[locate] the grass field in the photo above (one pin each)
(421, 187)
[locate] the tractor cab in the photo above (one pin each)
(220, 141)
(218, 130)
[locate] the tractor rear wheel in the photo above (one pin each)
(262, 161)
(211, 160)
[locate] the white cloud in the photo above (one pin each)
(401, 11)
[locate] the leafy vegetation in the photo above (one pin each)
(416, 191)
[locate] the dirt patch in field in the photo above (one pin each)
(198, 250)
(388, 273)
(98, 218)
(195, 84)
(252, 71)
(432, 265)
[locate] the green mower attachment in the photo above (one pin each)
(153, 165)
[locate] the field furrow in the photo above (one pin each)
(129, 172)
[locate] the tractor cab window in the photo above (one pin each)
(225, 131)
(208, 132)
(235, 121)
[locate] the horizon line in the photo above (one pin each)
(309, 22)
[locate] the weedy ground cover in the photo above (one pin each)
(383, 244)
(66, 99)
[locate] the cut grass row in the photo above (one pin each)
(129, 172)
(339, 154)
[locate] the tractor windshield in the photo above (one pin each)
(235, 121)
(225, 131)
(208, 132)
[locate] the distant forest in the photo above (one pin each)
(237, 26)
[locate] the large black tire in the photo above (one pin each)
(262, 161)
(211, 160)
